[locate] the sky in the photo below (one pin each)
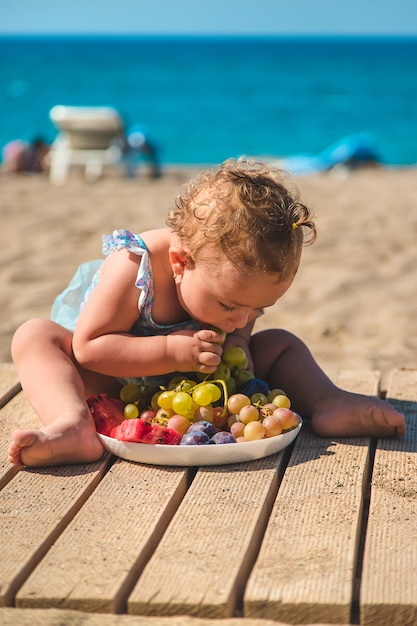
(209, 17)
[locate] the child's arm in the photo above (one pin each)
(102, 342)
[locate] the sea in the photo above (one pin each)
(205, 99)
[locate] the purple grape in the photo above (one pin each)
(203, 426)
(223, 437)
(195, 438)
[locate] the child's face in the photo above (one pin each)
(227, 297)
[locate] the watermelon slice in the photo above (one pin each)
(139, 431)
(107, 412)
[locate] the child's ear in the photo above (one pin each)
(180, 259)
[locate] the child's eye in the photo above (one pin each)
(226, 308)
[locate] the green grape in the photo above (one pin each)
(202, 395)
(130, 392)
(242, 376)
(185, 385)
(154, 400)
(182, 403)
(259, 398)
(166, 398)
(231, 386)
(174, 382)
(223, 372)
(216, 394)
(131, 411)
(139, 394)
(235, 358)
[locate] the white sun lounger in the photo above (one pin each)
(88, 136)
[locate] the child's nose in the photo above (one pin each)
(241, 318)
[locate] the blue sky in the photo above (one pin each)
(274, 17)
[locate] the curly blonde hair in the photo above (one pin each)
(244, 210)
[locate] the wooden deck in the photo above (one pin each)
(325, 532)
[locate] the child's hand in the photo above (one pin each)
(195, 351)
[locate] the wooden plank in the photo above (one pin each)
(56, 617)
(306, 566)
(97, 560)
(389, 584)
(35, 506)
(200, 566)
(28, 530)
(9, 382)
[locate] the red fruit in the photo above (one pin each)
(139, 431)
(147, 415)
(288, 418)
(107, 412)
(219, 420)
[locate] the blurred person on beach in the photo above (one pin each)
(139, 149)
(19, 156)
(163, 301)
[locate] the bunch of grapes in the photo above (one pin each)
(214, 410)
(260, 416)
(233, 369)
(183, 402)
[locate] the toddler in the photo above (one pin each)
(161, 302)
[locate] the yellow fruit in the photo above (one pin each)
(131, 411)
(248, 414)
(254, 431)
(275, 392)
(281, 402)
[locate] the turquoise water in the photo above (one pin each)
(206, 99)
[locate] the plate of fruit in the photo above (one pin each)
(216, 421)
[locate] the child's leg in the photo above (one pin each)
(285, 362)
(54, 387)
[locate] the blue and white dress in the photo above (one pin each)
(68, 305)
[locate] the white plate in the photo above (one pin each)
(219, 454)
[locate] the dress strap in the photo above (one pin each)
(123, 239)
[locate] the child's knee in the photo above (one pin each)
(34, 332)
(24, 335)
(270, 339)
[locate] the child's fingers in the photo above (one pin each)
(210, 348)
(208, 361)
(212, 335)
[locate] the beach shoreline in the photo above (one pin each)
(352, 301)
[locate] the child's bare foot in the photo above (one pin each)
(62, 442)
(353, 415)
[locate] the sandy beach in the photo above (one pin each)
(353, 301)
